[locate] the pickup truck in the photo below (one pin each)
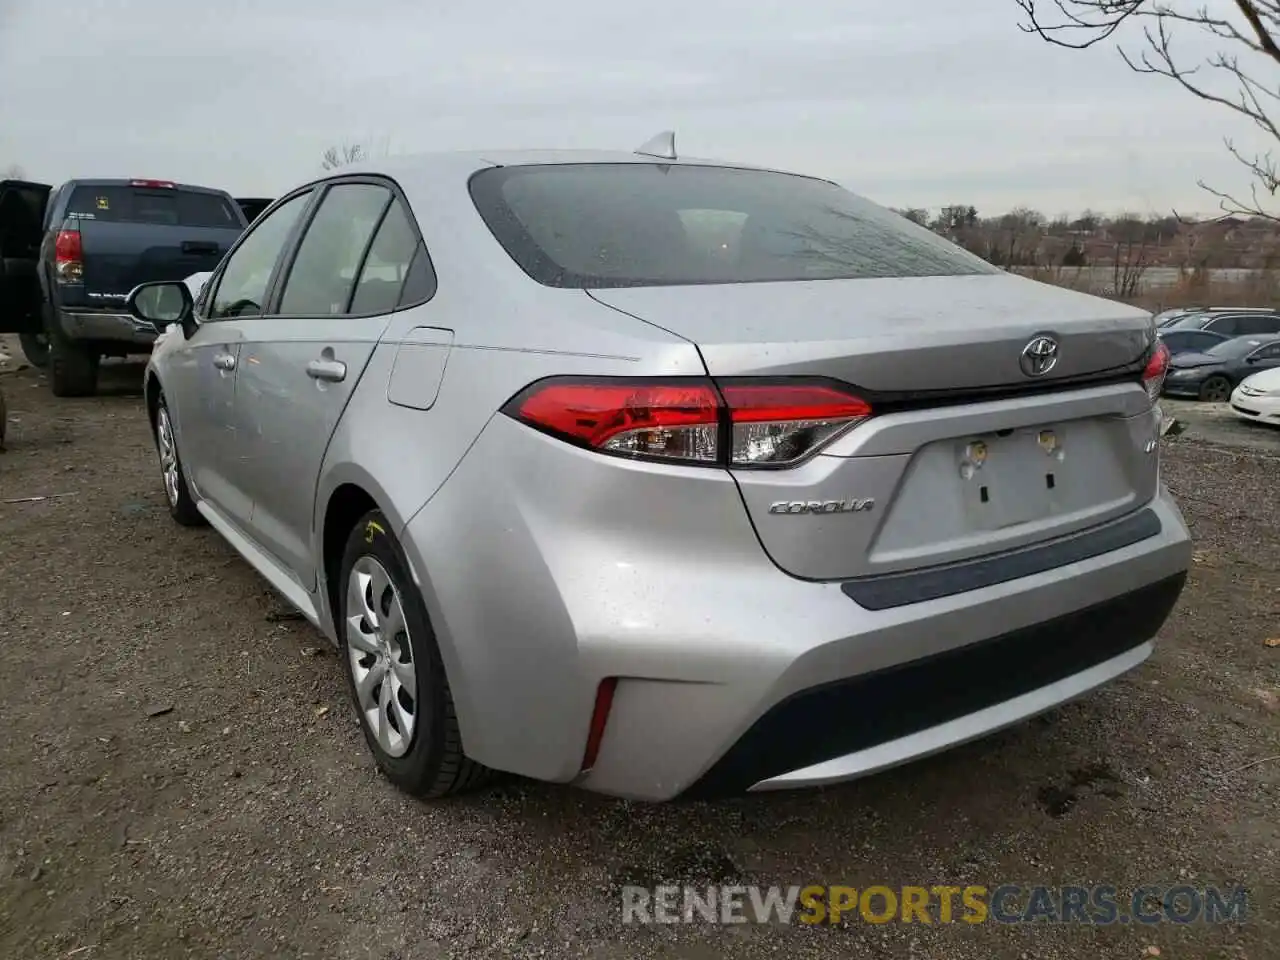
(71, 255)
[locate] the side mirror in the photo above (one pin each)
(162, 302)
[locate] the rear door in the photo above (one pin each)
(22, 213)
(1227, 324)
(135, 231)
(300, 364)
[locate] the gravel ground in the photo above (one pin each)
(182, 776)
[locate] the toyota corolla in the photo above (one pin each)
(666, 477)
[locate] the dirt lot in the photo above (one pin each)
(247, 820)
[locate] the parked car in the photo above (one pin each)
(1232, 323)
(1257, 398)
(83, 247)
(1186, 341)
(1167, 318)
(1212, 376)
(666, 477)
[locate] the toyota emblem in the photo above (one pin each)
(1039, 356)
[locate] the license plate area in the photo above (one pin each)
(1012, 477)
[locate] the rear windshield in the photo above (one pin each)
(629, 225)
(179, 208)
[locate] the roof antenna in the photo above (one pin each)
(662, 146)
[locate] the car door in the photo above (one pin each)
(22, 210)
(198, 374)
(301, 363)
(1266, 357)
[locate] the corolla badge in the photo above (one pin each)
(852, 505)
(1039, 356)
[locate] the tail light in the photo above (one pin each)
(739, 423)
(153, 184)
(68, 257)
(1154, 374)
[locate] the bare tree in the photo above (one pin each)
(1240, 76)
(918, 215)
(13, 172)
(340, 156)
(1130, 255)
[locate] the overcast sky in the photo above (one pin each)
(911, 102)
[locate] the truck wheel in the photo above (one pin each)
(35, 347)
(73, 368)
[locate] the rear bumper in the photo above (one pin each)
(102, 325)
(576, 571)
(862, 724)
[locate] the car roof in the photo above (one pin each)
(516, 158)
(407, 168)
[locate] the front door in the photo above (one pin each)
(22, 208)
(300, 366)
(200, 377)
(199, 385)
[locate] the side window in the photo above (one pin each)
(383, 275)
(1252, 326)
(1229, 326)
(324, 271)
(1271, 352)
(243, 285)
(420, 284)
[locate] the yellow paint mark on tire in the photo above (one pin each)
(370, 529)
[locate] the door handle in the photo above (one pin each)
(330, 371)
(224, 361)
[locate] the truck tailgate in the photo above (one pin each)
(119, 256)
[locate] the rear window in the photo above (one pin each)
(163, 205)
(629, 225)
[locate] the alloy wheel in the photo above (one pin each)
(381, 657)
(168, 456)
(1216, 390)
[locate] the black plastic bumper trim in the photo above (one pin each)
(845, 716)
(890, 590)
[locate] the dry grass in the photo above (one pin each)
(1259, 289)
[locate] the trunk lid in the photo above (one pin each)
(966, 454)
(915, 335)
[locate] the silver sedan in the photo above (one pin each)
(666, 477)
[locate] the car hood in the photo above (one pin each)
(1267, 380)
(1184, 361)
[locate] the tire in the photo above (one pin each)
(73, 367)
(429, 761)
(1215, 390)
(173, 475)
(35, 347)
